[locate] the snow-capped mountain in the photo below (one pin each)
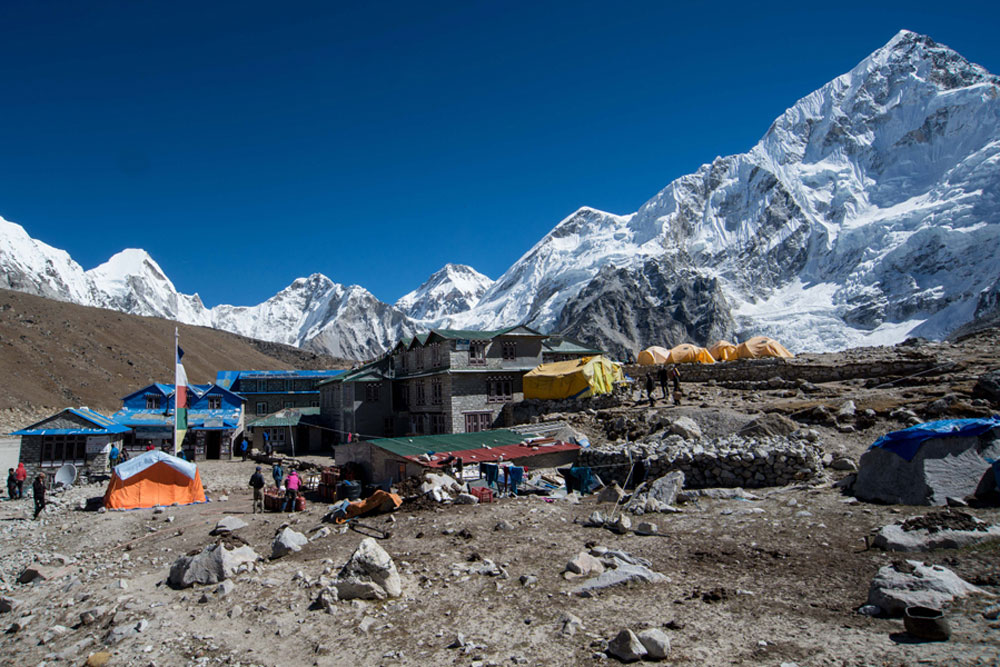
(455, 288)
(869, 211)
(866, 213)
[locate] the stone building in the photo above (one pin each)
(270, 391)
(442, 381)
(79, 436)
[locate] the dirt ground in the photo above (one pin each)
(761, 582)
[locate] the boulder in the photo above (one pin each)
(623, 574)
(584, 564)
(228, 524)
(369, 570)
(8, 604)
(686, 427)
(941, 467)
(656, 642)
(911, 583)
(626, 647)
(947, 529)
(35, 572)
(845, 464)
(287, 541)
(213, 564)
(611, 494)
(647, 528)
(988, 386)
(621, 525)
(666, 488)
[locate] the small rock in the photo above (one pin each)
(570, 624)
(844, 463)
(503, 524)
(647, 528)
(225, 588)
(466, 499)
(228, 524)
(992, 613)
(656, 642)
(528, 580)
(611, 494)
(584, 564)
(286, 542)
(626, 647)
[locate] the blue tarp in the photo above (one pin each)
(907, 442)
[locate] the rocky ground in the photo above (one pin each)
(769, 578)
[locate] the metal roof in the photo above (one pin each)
(103, 425)
(226, 379)
(521, 450)
(197, 419)
(563, 345)
(284, 417)
(448, 442)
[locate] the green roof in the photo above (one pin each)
(563, 345)
(451, 442)
(284, 417)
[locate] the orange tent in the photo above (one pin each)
(686, 353)
(652, 356)
(761, 346)
(723, 350)
(151, 479)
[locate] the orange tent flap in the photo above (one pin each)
(159, 484)
(761, 346)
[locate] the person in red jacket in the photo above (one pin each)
(20, 475)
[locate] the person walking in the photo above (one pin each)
(20, 475)
(38, 489)
(244, 448)
(649, 388)
(257, 484)
(291, 491)
(675, 377)
(278, 474)
(11, 484)
(661, 375)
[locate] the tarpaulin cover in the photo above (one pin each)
(723, 350)
(152, 479)
(686, 353)
(652, 356)
(577, 378)
(907, 441)
(759, 347)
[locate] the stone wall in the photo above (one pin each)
(733, 461)
(522, 412)
(762, 370)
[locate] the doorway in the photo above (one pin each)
(213, 444)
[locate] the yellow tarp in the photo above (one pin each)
(652, 356)
(577, 378)
(723, 350)
(761, 346)
(686, 353)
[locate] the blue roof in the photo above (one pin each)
(197, 419)
(102, 425)
(226, 379)
(907, 441)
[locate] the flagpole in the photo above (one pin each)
(176, 379)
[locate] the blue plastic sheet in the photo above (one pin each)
(907, 442)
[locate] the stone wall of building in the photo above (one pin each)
(733, 461)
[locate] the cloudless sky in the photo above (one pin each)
(244, 144)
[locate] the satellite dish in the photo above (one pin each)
(66, 475)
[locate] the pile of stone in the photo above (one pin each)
(732, 461)
(532, 408)
(370, 574)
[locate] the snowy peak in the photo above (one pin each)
(455, 288)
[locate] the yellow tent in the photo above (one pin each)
(652, 356)
(761, 346)
(577, 378)
(723, 350)
(686, 353)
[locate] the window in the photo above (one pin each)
(372, 392)
(262, 407)
(387, 427)
(509, 350)
(246, 386)
(314, 404)
(214, 402)
(477, 353)
(420, 394)
(477, 421)
(435, 355)
(420, 357)
(152, 401)
(499, 389)
(58, 450)
(437, 423)
(437, 391)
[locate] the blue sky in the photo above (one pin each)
(246, 144)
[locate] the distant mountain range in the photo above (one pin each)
(868, 212)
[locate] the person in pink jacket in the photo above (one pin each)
(291, 490)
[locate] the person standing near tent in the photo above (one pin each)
(278, 474)
(113, 456)
(257, 484)
(11, 484)
(291, 491)
(244, 448)
(649, 388)
(38, 489)
(19, 476)
(661, 375)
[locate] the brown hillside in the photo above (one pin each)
(55, 354)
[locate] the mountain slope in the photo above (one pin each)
(455, 288)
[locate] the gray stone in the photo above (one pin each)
(894, 538)
(369, 564)
(647, 528)
(328, 598)
(611, 494)
(988, 386)
(225, 588)
(503, 524)
(621, 525)
(466, 499)
(213, 564)
(570, 624)
(619, 576)
(626, 647)
(595, 520)
(656, 642)
(846, 411)
(584, 564)
(686, 427)
(942, 467)
(666, 488)
(870, 610)
(320, 534)
(528, 580)
(35, 573)
(926, 586)
(8, 604)
(844, 463)
(286, 542)
(228, 524)
(992, 612)
(126, 630)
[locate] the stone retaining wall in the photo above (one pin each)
(733, 461)
(761, 370)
